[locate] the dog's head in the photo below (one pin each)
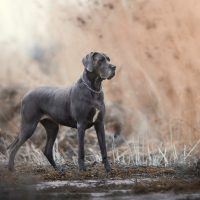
(99, 64)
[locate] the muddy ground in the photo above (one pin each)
(33, 182)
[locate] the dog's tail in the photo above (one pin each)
(13, 143)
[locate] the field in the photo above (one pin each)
(152, 121)
(135, 172)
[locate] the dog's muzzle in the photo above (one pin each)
(112, 72)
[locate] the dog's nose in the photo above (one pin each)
(113, 67)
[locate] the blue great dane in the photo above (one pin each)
(80, 106)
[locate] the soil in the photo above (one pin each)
(35, 182)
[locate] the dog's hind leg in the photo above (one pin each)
(30, 116)
(26, 132)
(52, 130)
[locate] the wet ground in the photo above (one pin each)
(124, 182)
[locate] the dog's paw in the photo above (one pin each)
(107, 166)
(197, 169)
(60, 169)
(82, 169)
(81, 165)
(11, 167)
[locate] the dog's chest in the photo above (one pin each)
(93, 114)
(96, 114)
(92, 108)
(95, 110)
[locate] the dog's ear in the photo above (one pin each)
(106, 56)
(88, 61)
(84, 61)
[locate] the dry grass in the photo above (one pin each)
(120, 151)
(140, 154)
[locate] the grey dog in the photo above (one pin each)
(80, 106)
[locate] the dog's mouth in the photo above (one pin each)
(111, 76)
(112, 72)
(108, 77)
(107, 74)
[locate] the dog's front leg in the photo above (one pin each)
(99, 127)
(81, 153)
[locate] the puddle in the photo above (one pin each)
(109, 189)
(109, 194)
(88, 183)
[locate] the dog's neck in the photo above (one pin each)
(92, 80)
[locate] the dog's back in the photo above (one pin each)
(47, 101)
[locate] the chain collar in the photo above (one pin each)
(88, 87)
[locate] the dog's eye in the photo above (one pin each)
(97, 62)
(101, 59)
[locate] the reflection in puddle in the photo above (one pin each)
(88, 183)
(110, 194)
(82, 184)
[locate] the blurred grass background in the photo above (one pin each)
(153, 101)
